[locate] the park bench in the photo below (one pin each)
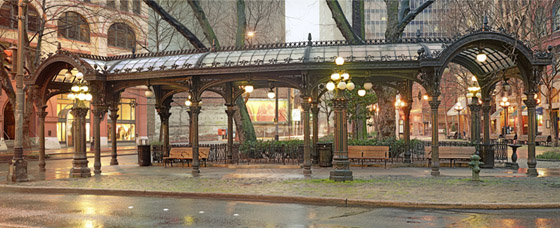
(185, 154)
(368, 153)
(543, 140)
(452, 153)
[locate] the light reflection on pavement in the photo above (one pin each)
(56, 210)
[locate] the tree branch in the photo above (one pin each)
(342, 23)
(203, 21)
(411, 15)
(175, 24)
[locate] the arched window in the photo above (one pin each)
(74, 26)
(121, 35)
(9, 12)
(556, 18)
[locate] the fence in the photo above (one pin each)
(290, 153)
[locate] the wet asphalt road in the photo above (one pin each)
(52, 210)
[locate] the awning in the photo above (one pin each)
(453, 112)
(496, 114)
(539, 111)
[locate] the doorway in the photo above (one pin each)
(9, 122)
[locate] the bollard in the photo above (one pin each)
(475, 166)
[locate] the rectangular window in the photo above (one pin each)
(137, 7)
(124, 5)
(111, 4)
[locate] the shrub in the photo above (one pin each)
(552, 155)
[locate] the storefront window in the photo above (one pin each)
(126, 123)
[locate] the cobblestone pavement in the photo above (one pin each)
(404, 184)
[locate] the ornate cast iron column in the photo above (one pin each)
(18, 166)
(195, 109)
(315, 113)
(434, 105)
(80, 162)
(190, 125)
(230, 111)
(487, 148)
(531, 104)
(406, 111)
(475, 121)
(163, 112)
(98, 114)
(114, 116)
(306, 136)
(341, 163)
(42, 114)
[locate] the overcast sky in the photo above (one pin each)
(302, 17)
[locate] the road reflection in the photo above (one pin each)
(72, 210)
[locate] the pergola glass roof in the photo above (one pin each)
(291, 54)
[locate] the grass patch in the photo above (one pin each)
(551, 155)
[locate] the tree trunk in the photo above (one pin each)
(241, 24)
(358, 24)
(386, 111)
(245, 129)
(391, 32)
(328, 124)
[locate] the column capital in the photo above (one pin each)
(434, 103)
(314, 109)
(530, 102)
(305, 105)
(474, 107)
(195, 109)
(486, 108)
(230, 112)
(79, 111)
(42, 113)
(340, 103)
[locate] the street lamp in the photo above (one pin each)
(459, 108)
(250, 35)
(80, 91)
(398, 105)
(249, 88)
(80, 94)
(340, 81)
(505, 104)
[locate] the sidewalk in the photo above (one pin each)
(392, 187)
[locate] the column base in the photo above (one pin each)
(435, 173)
(18, 171)
(80, 172)
(114, 161)
(42, 167)
(407, 160)
(307, 171)
(532, 172)
(97, 171)
(341, 175)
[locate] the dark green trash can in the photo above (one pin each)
(325, 154)
(144, 156)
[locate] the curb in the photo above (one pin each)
(327, 201)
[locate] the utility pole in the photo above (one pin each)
(18, 167)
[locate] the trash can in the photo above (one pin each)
(325, 154)
(144, 157)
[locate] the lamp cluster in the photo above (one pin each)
(504, 103)
(399, 103)
(80, 89)
(459, 107)
(341, 80)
